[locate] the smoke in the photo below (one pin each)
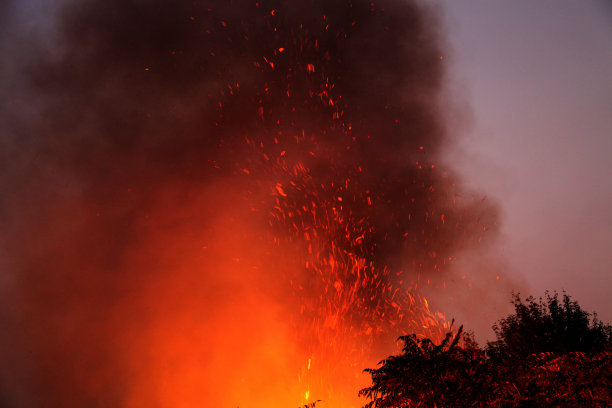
(179, 175)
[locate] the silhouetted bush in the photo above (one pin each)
(549, 353)
(545, 326)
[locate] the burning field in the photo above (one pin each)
(224, 203)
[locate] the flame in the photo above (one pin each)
(284, 206)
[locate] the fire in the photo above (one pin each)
(345, 303)
(288, 204)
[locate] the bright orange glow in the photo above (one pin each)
(245, 212)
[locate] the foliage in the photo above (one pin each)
(425, 374)
(570, 365)
(549, 325)
(576, 379)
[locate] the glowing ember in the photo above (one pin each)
(286, 201)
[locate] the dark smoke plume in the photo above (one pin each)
(164, 164)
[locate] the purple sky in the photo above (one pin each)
(537, 77)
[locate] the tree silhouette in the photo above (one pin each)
(548, 326)
(425, 374)
(549, 353)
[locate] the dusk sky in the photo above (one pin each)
(536, 77)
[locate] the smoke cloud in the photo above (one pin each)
(200, 196)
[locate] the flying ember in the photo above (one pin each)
(248, 199)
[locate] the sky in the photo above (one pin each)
(533, 79)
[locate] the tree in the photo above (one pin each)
(548, 325)
(549, 353)
(425, 374)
